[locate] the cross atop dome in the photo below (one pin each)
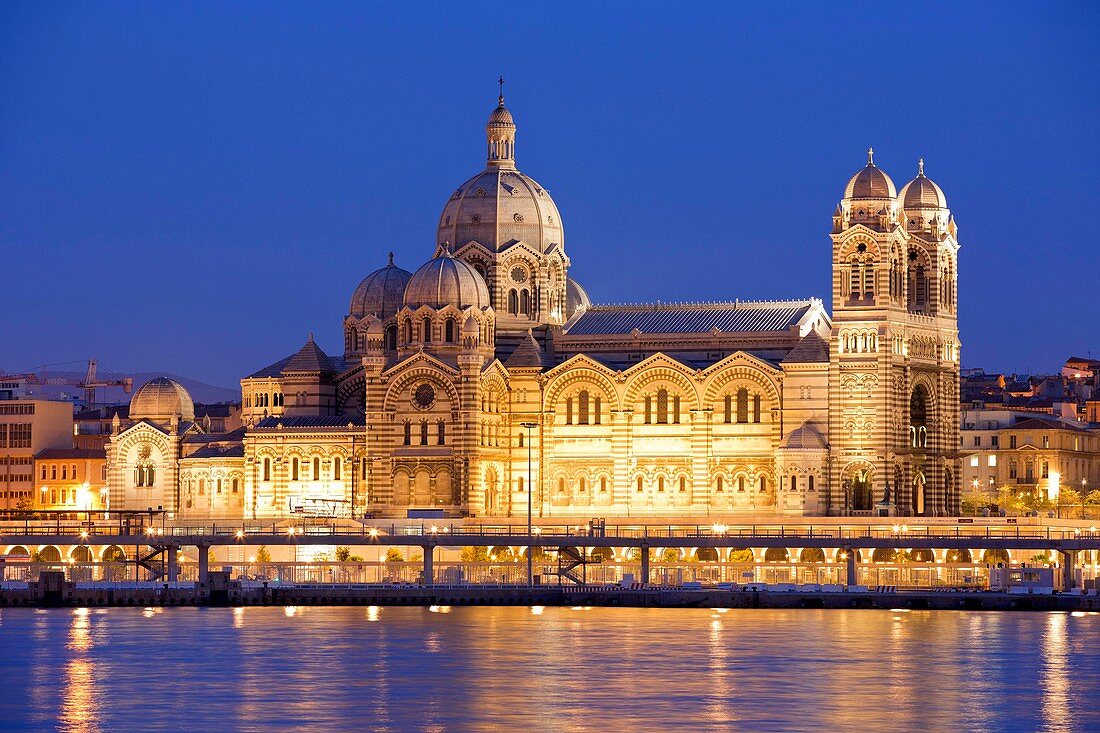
(920, 167)
(870, 156)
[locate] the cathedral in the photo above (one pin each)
(486, 379)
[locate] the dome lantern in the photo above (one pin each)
(500, 135)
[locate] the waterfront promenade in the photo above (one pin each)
(819, 556)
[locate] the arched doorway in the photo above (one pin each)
(858, 485)
(992, 557)
(49, 553)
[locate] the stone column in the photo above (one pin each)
(172, 562)
(429, 568)
(204, 563)
(853, 576)
(1069, 569)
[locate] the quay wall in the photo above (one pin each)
(50, 592)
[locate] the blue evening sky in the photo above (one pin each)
(195, 187)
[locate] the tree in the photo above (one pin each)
(473, 553)
(743, 555)
(343, 554)
(262, 555)
(394, 555)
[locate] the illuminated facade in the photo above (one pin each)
(487, 373)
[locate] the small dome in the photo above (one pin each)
(575, 298)
(870, 183)
(446, 281)
(381, 292)
(161, 399)
(470, 327)
(922, 193)
(501, 115)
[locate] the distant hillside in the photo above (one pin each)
(200, 391)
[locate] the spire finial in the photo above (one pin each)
(391, 258)
(920, 167)
(310, 337)
(500, 99)
(870, 156)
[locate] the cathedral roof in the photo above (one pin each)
(219, 451)
(812, 348)
(922, 193)
(870, 182)
(739, 316)
(310, 358)
(446, 281)
(527, 354)
(381, 292)
(806, 437)
(576, 298)
(160, 400)
(500, 205)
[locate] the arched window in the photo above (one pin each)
(408, 331)
(423, 432)
(316, 469)
(568, 410)
(426, 329)
(337, 466)
(582, 408)
(561, 485)
(218, 490)
(869, 280)
(683, 485)
(676, 409)
(794, 483)
(756, 408)
(603, 484)
(64, 472)
(810, 482)
(728, 409)
(639, 485)
(519, 484)
(648, 410)
(513, 302)
(441, 427)
(525, 302)
(521, 440)
(235, 486)
(740, 483)
(742, 405)
(718, 485)
(662, 406)
(763, 484)
(596, 411)
(660, 484)
(391, 337)
(293, 469)
(150, 475)
(855, 280)
(267, 469)
(408, 433)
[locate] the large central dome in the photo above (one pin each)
(500, 206)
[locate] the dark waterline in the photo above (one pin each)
(522, 669)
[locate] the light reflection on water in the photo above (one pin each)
(329, 669)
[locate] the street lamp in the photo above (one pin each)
(529, 426)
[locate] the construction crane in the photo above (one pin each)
(88, 384)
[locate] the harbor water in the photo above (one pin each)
(546, 669)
